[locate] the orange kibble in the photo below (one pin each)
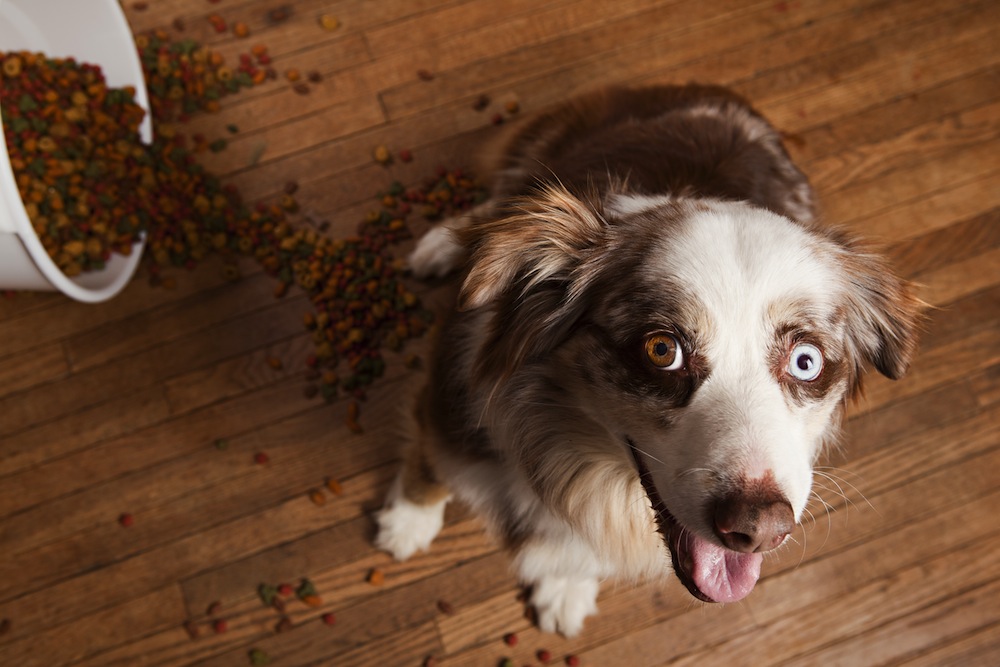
(376, 577)
(317, 497)
(382, 154)
(241, 29)
(334, 486)
(312, 600)
(329, 22)
(292, 74)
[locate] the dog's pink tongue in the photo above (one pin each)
(721, 574)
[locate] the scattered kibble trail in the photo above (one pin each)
(361, 304)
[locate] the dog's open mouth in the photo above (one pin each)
(710, 572)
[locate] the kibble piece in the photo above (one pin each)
(382, 154)
(260, 458)
(329, 22)
(317, 497)
(268, 594)
(376, 577)
(335, 486)
(259, 658)
(220, 626)
(312, 600)
(510, 639)
(126, 520)
(329, 618)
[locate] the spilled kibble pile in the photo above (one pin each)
(92, 187)
(74, 148)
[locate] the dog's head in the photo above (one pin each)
(714, 342)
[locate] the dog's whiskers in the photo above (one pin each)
(647, 454)
(835, 478)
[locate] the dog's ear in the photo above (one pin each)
(883, 313)
(527, 265)
(539, 238)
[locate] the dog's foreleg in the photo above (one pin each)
(563, 575)
(413, 513)
(439, 252)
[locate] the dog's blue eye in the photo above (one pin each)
(665, 352)
(805, 362)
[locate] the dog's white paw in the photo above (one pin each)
(405, 527)
(561, 604)
(437, 254)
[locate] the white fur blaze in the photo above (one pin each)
(405, 527)
(561, 603)
(437, 254)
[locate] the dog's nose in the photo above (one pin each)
(750, 522)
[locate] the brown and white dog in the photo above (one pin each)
(652, 344)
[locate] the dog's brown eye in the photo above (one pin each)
(665, 352)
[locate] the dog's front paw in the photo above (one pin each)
(405, 527)
(437, 254)
(561, 604)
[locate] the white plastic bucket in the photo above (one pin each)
(91, 31)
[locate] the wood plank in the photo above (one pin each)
(47, 473)
(964, 199)
(943, 621)
(170, 322)
(894, 114)
(101, 383)
(978, 649)
(81, 638)
(39, 365)
(62, 435)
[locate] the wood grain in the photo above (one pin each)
(892, 108)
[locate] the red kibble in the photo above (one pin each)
(329, 618)
(220, 626)
(497, 119)
(510, 639)
(126, 520)
(544, 655)
(261, 458)
(285, 589)
(406, 155)
(572, 660)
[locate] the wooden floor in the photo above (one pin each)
(891, 108)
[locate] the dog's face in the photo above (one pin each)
(713, 342)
